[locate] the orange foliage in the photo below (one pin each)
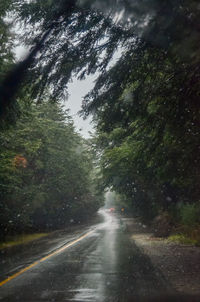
(20, 161)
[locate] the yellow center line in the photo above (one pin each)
(43, 259)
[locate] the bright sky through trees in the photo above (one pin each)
(77, 90)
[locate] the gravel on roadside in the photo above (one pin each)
(179, 263)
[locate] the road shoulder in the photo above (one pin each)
(179, 264)
(14, 259)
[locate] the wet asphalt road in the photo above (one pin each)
(103, 266)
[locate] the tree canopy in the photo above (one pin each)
(46, 178)
(148, 124)
(80, 37)
(145, 104)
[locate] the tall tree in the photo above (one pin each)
(6, 56)
(85, 29)
(45, 172)
(148, 120)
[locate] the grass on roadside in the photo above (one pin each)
(20, 239)
(184, 239)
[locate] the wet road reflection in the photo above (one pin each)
(100, 265)
(104, 266)
(116, 270)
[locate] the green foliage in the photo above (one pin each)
(184, 239)
(78, 32)
(45, 174)
(11, 241)
(6, 59)
(189, 214)
(146, 104)
(148, 129)
(187, 223)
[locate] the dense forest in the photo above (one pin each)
(145, 106)
(45, 172)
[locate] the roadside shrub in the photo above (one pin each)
(185, 239)
(162, 224)
(189, 214)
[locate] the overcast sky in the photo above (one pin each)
(77, 90)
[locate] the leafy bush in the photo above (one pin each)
(189, 214)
